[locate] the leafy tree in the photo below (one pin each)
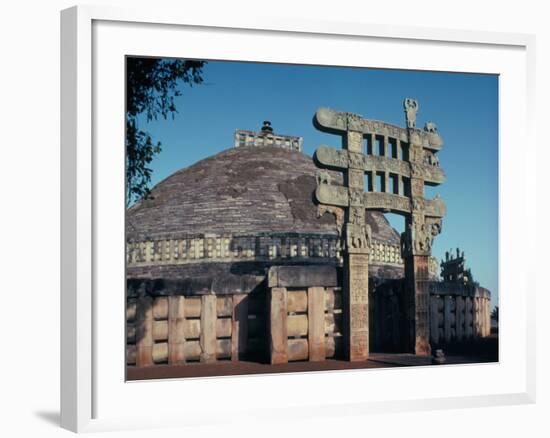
(152, 86)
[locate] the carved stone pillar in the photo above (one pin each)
(356, 307)
(356, 263)
(418, 233)
(416, 268)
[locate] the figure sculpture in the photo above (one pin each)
(411, 107)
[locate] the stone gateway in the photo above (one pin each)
(263, 254)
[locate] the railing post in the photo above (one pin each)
(278, 330)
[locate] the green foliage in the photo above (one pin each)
(152, 86)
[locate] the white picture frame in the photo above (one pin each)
(92, 395)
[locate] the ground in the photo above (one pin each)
(484, 351)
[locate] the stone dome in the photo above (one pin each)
(246, 190)
(229, 217)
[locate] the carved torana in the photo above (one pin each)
(397, 163)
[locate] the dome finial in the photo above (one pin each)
(266, 128)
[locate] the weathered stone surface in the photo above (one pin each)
(192, 328)
(334, 323)
(144, 332)
(333, 346)
(208, 329)
(193, 307)
(333, 299)
(224, 306)
(176, 330)
(223, 327)
(160, 330)
(332, 195)
(341, 159)
(419, 315)
(316, 323)
(266, 137)
(297, 301)
(237, 190)
(298, 349)
(160, 308)
(278, 332)
(196, 279)
(302, 276)
(297, 325)
(356, 307)
(387, 202)
(192, 350)
(160, 352)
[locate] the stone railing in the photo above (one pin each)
(385, 253)
(298, 315)
(305, 314)
(176, 330)
(231, 248)
(251, 138)
(458, 312)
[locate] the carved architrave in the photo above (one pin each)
(332, 195)
(375, 163)
(331, 157)
(329, 120)
(387, 202)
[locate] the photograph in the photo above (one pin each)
(297, 218)
(290, 219)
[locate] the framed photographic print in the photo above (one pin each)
(265, 207)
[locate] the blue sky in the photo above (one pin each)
(239, 95)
